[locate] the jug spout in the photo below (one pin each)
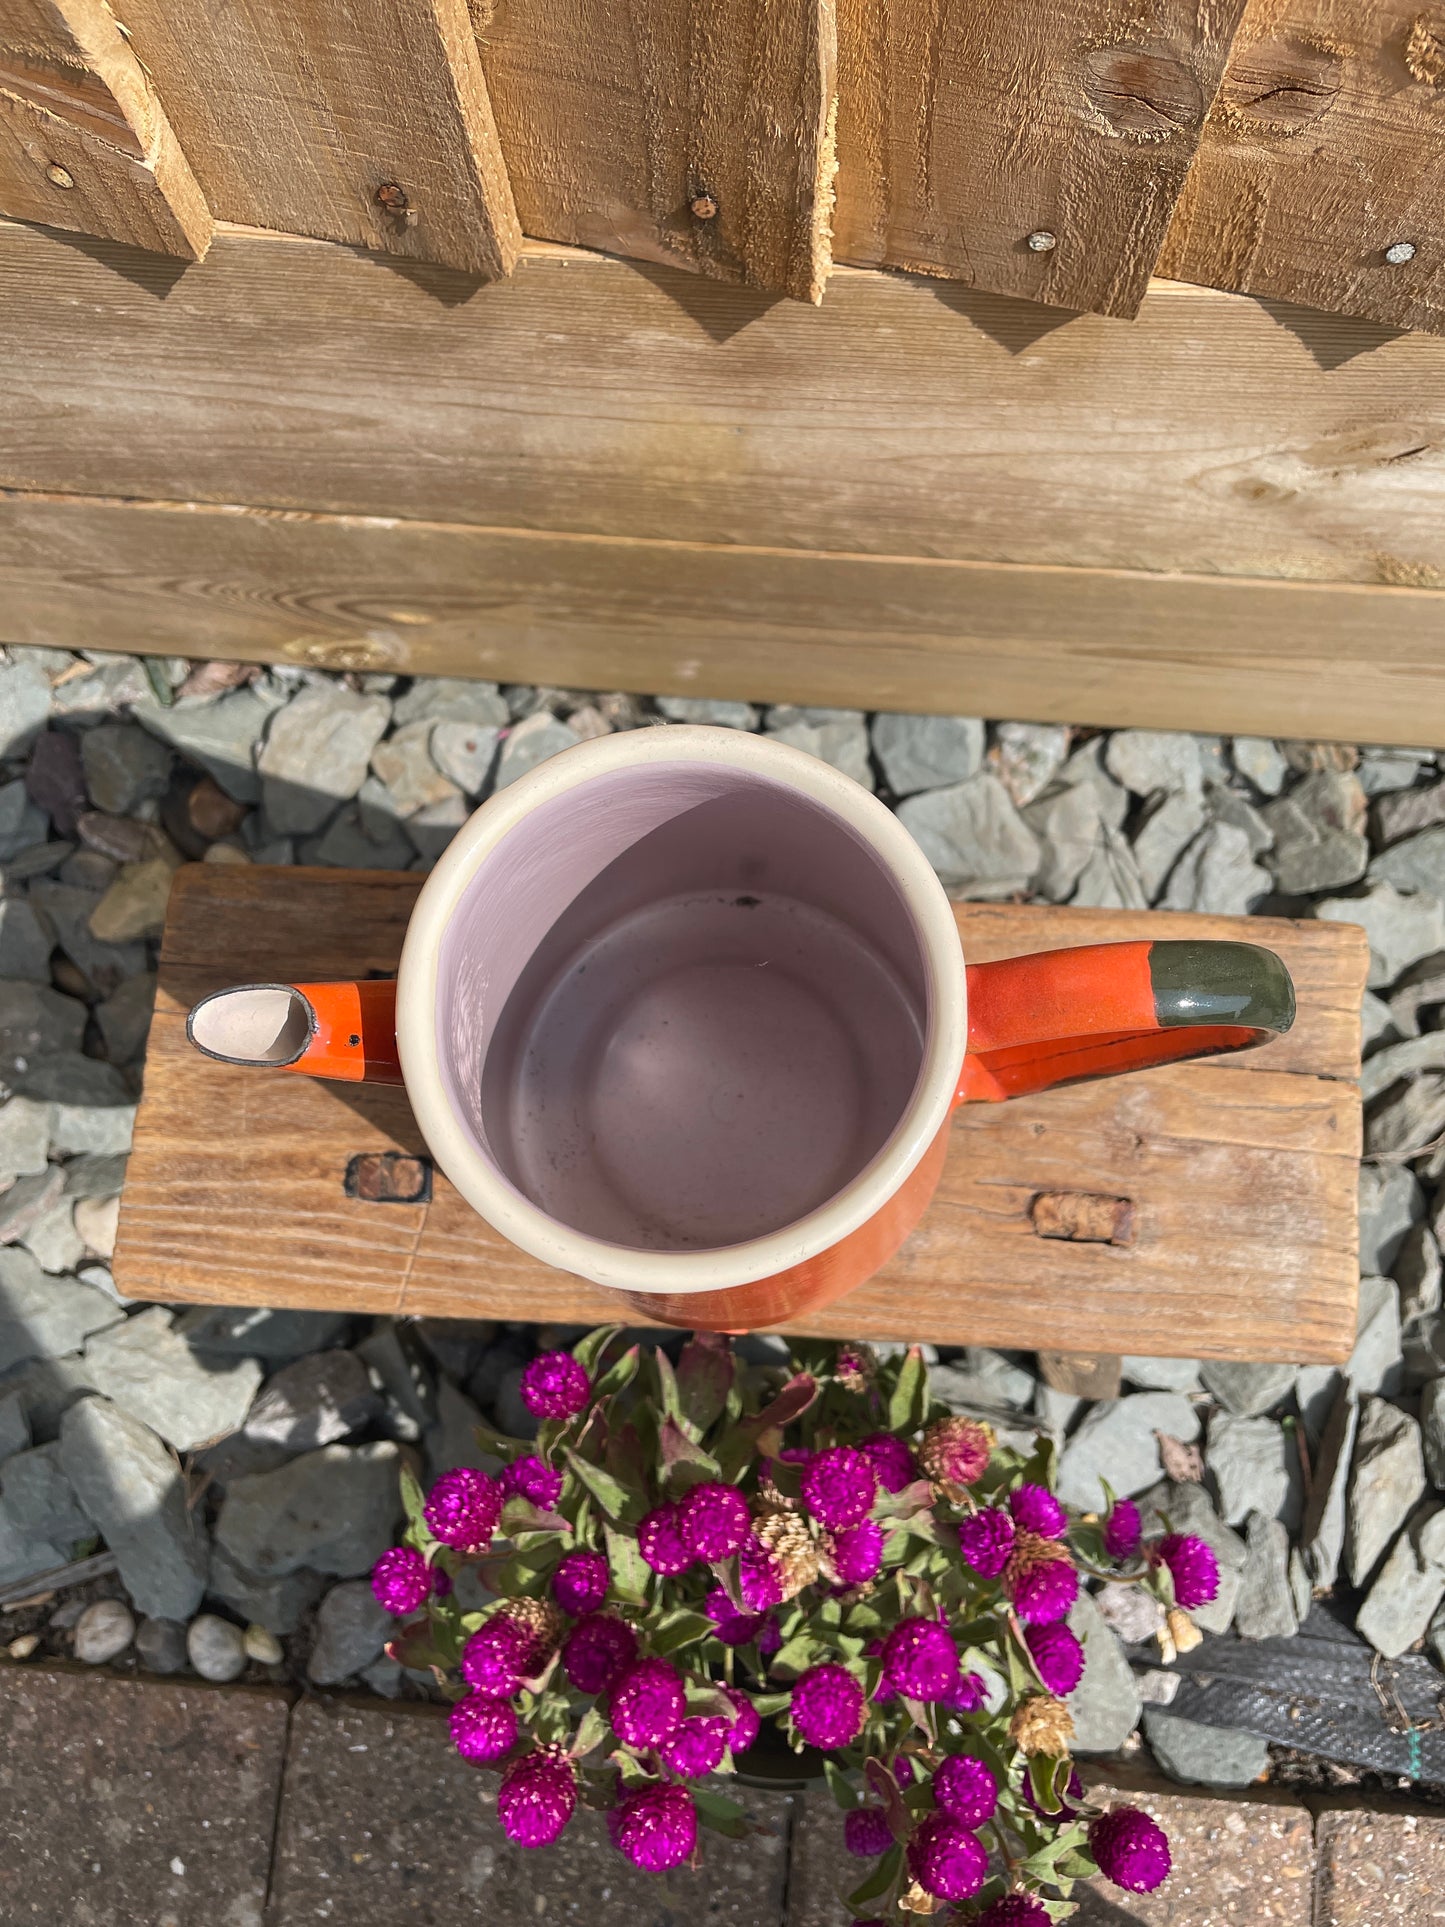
(342, 1031)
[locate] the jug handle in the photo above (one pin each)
(1059, 1016)
(344, 1031)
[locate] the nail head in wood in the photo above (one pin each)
(704, 207)
(1399, 252)
(1043, 240)
(389, 1177)
(393, 197)
(1084, 1217)
(61, 176)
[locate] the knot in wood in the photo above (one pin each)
(1278, 87)
(1141, 93)
(703, 207)
(393, 197)
(60, 176)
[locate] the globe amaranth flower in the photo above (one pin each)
(733, 1628)
(554, 1385)
(746, 1724)
(946, 1859)
(401, 1580)
(1132, 1850)
(537, 1797)
(965, 1790)
(530, 1479)
(1058, 1657)
(656, 1828)
(770, 1637)
(1042, 1724)
(597, 1651)
(1040, 1579)
(866, 1832)
(903, 1769)
(858, 1552)
(1035, 1509)
(760, 1577)
(648, 1703)
(462, 1509)
(986, 1539)
(712, 1521)
(1193, 1568)
(483, 1727)
(968, 1696)
(1015, 1910)
(513, 1645)
(956, 1450)
(579, 1585)
(1122, 1530)
(796, 1556)
(919, 1660)
(695, 1746)
(828, 1706)
(891, 1460)
(839, 1486)
(661, 1543)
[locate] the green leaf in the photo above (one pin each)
(878, 1882)
(908, 1399)
(765, 1703)
(844, 1793)
(610, 1493)
(521, 1515)
(722, 1815)
(679, 1628)
(591, 1732)
(588, 1351)
(412, 1500)
(630, 1571)
(618, 1375)
(705, 1375)
(667, 1392)
(685, 1464)
(1041, 1779)
(796, 1656)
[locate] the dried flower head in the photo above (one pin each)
(1182, 1631)
(1040, 1579)
(956, 1451)
(1042, 1724)
(796, 1555)
(856, 1367)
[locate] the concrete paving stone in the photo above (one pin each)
(1236, 1864)
(820, 1870)
(382, 1821)
(1378, 1867)
(135, 1804)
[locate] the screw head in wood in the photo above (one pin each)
(703, 207)
(1399, 252)
(393, 197)
(61, 176)
(1043, 240)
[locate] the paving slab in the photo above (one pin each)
(135, 1804)
(821, 1869)
(1380, 1867)
(382, 1821)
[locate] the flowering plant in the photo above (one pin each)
(687, 1552)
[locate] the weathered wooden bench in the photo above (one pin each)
(1238, 1237)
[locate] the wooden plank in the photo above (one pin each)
(1325, 149)
(696, 134)
(588, 395)
(366, 122)
(84, 143)
(774, 625)
(1242, 1171)
(963, 130)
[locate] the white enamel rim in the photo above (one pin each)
(658, 1271)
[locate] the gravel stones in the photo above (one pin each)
(263, 1646)
(44, 1317)
(466, 753)
(279, 1604)
(1403, 814)
(103, 1631)
(1400, 929)
(1134, 1615)
(1265, 1608)
(1255, 1468)
(1162, 1374)
(706, 711)
(531, 743)
(124, 766)
(974, 837)
(1027, 756)
(1117, 1442)
(25, 944)
(216, 1648)
(1105, 1703)
(22, 825)
(1259, 762)
(314, 1402)
(133, 1489)
(1418, 1273)
(160, 1645)
(24, 1138)
(404, 764)
(316, 755)
(1166, 833)
(14, 1425)
(146, 1367)
(927, 752)
(1410, 1586)
(1247, 1390)
(39, 1499)
(1387, 1482)
(1217, 874)
(36, 1021)
(1199, 1755)
(331, 1510)
(1318, 832)
(1110, 880)
(221, 736)
(351, 1629)
(836, 736)
(275, 1337)
(1417, 864)
(451, 699)
(1148, 761)
(1432, 1429)
(1322, 1531)
(24, 705)
(1069, 829)
(1390, 1200)
(66, 909)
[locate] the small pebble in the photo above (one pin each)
(103, 1631)
(160, 1645)
(263, 1646)
(24, 1646)
(216, 1647)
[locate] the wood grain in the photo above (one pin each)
(693, 132)
(773, 625)
(1326, 147)
(365, 121)
(84, 143)
(1243, 1171)
(964, 129)
(1215, 436)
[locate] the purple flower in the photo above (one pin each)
(733, 1628)
(986, 1539)
(1040, 1579)
(712, 1521)
(858, 1552)
(656, 1828)
(579, 1585)
(661, 1543)
(903, 1769)
(536, 1798)
(462, 1509)
(828, 1707)
(946, 1859)
(760, 1578)
(500, 1655)
(866, 1832)
(483, 1727)
(1015, 1910)
(1194, 1569)
(401, 1580)
(919, 1660)
(1058, 1657)
(965, 1790)
(1132, 1850)
(770, 1637)
(597, 1651)
(746, 1723)
(695, 1746)
(839, 1486)
(530, 1479)
(554, 1385)
(891, 1460)
(648, 1703)
(1035, 1509)
(968, 1696)
(1122, 1530)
